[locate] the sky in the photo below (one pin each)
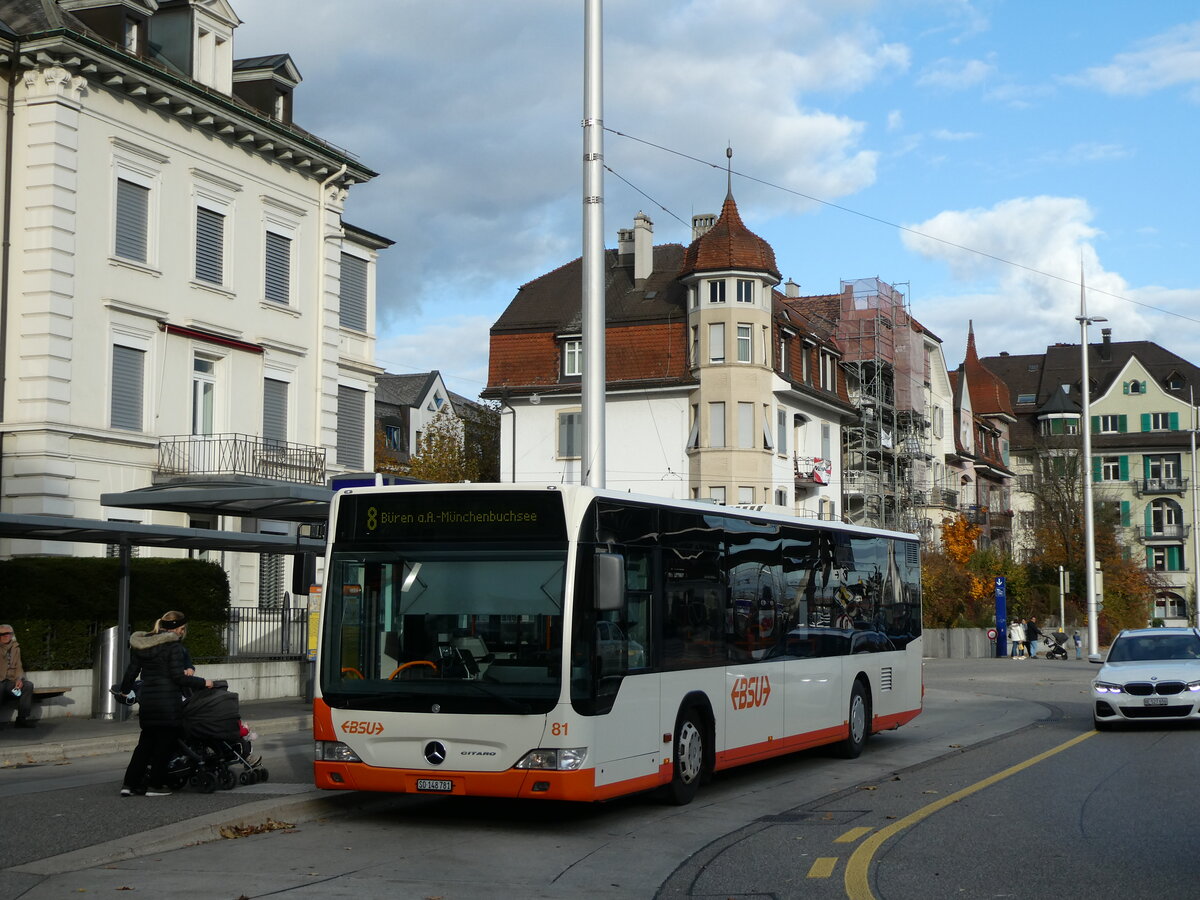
(978, 154)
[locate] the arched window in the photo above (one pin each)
(1164, 518)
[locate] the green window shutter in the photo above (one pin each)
(1145, 421)
(1174, 421)
(1175, 559)
(1124, 467)
(1149, 559)
(1095, 468)
(1149, 518)
(1125, 518)
(1095, 424)
(1125, 386)
(1143, 387)
(1146, 467)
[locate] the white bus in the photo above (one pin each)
(569, 643)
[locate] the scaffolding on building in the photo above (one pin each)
(887, 452)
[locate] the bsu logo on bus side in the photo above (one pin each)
(750, 691)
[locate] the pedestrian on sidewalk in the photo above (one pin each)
(14, 686)
(158, 657)
(1032, 633)
(1016, 639)
(1078, 646)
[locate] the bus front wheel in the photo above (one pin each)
(859, 721)
(688, 766)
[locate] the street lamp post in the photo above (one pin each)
(1089, 538)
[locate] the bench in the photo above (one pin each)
(48, 693)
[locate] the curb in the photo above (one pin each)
(56, 751)
(300, 809)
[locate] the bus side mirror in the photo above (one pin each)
(609, 587)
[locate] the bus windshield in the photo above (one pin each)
(462, 630)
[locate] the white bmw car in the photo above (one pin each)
(1149, 675)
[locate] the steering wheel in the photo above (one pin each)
(407, 665)
(350, 670)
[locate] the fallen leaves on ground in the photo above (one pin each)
(241, 831)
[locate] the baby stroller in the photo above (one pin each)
(215, 743)
(1054, 645)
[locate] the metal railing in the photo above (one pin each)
(1160, 486)
(1163, 532)
(240, 454)
(272, 633)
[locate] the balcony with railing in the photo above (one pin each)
(1160, 486)
(976, 515)
(241, 454)
(1166, 533)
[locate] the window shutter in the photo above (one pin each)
(1124, 467)
(1175, 559)
(351, 419)
(127, 388)
(1145, 467)
(210, 245)
(1174, 421)
(354, 292)
(1149, 517)
(1145, 421)
(275, 410)
(1096, 468)
(1095, 424)
(570, 437)
(1125, 386)
(1125, 516)
(782, 429)
(133, 204)
(1122, 424)
(278, 268)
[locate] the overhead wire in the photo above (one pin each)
(904, 228)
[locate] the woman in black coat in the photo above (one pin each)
(159, 658)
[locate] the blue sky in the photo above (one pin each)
(1041, 134)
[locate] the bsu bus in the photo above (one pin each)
(570, 643)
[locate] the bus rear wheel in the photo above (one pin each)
(688, 764)
(859, 720)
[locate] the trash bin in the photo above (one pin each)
(107, 671)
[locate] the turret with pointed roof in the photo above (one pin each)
(729, 244)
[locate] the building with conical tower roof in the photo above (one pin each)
(716, 388)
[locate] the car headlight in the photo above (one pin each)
(1193, 686)
(566, 759)
(1104, 687)
(334, 751)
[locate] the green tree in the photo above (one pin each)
(441, 454)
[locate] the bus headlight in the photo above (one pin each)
(560, 759)
(335, 751)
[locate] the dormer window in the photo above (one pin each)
(572, 357)
(133, 37)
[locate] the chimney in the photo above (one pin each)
(791, 290)
(1106, 344)
(643, 247)
(624, 246)
(701, 225)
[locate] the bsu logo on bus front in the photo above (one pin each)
(750, 691)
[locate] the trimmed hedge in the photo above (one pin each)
(58, 605)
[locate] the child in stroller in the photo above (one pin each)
(215, 743)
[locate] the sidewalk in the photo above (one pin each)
(70, 738)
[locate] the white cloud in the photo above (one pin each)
(1166, 60)
(956, 74)
(456, 346)
(895, 120)
(943, 134)
(1024, 281)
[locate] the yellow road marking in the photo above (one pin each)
(823, 867)
(852, 835)
(858, 886)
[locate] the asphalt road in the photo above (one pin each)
(999, 788)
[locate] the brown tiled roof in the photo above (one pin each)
(729, 244)
(989, 393)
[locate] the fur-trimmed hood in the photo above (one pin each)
(144, 640)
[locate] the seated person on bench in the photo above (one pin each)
(12, 677)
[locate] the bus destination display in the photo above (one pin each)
(448, 516)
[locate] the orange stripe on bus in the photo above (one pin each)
(323, 721)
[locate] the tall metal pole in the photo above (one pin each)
(1089, 539)
(1194, 613)
(592, 462)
